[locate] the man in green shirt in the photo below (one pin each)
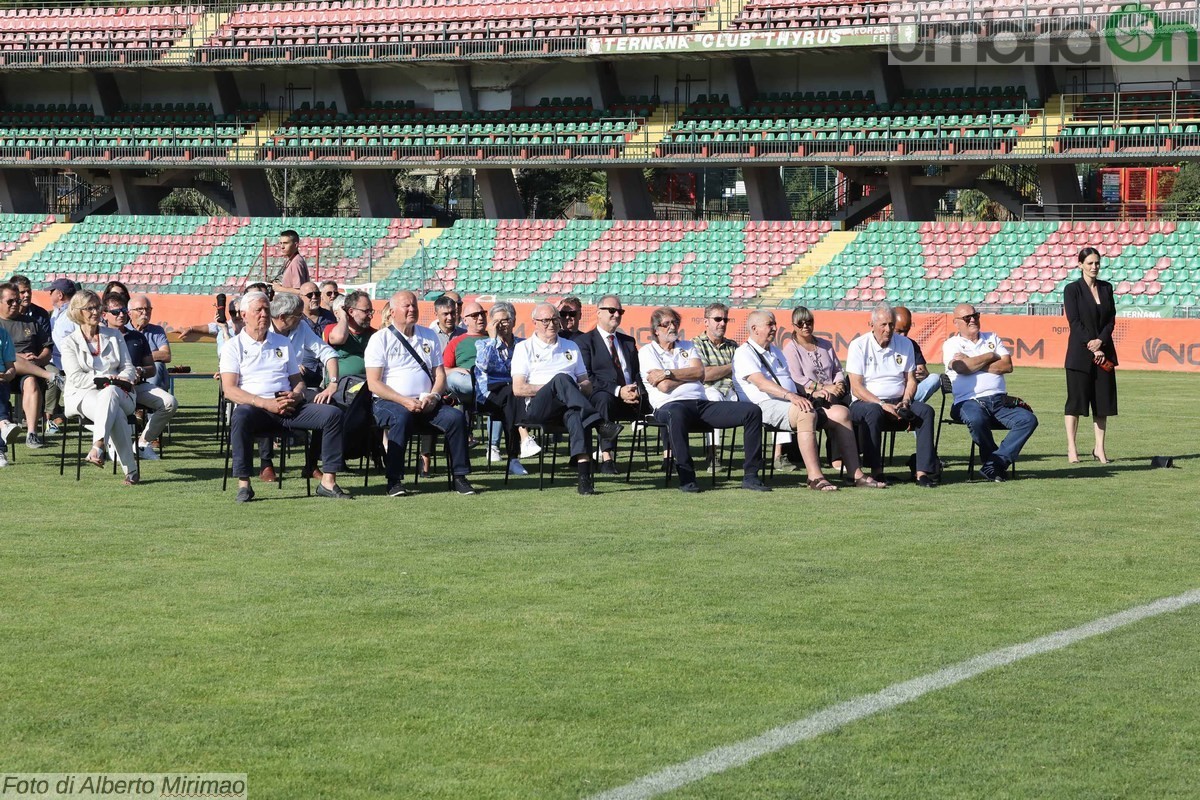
(349, 335)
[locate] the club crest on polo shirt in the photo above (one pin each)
(426, 348)
(899, 359)
(991, 345)
(278, 352)
(569, 355)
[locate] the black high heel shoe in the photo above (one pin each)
(1101, 460)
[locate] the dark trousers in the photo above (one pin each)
(614, 409)
(982, 415)
(500, 402)
(682, 416)
(401, 424)
(248, 423)
(561, 399)
(874, 420)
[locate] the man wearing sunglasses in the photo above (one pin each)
(570, 311)
(977, 363)
(329, 293)
(611, 359)
(316, 316)
(459, 356)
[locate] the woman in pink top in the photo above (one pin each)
(817, 370)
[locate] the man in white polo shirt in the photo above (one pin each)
(882, 380)
(674, 379)
(405, 373)
(548, 371)
(977, 363)
(760, 376)
(260, 373)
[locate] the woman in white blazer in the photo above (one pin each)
(100, 376)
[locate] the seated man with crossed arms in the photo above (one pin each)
(977, 363)
(674, 379)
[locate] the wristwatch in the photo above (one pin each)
(668, 375)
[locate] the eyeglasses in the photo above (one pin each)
(548, 321)
(313, 295)
(614, 311)
(969, 318)
(571, 314)
(92, 309)
(668, 324)
(140, 308)
(117, 311)
(16, 301)
(804, 323)
(370, 312)
(475, 314)
(502, 321)
(719, 319)
(330, 293)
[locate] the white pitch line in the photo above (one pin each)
(724, 758)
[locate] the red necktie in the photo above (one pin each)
(612, 349)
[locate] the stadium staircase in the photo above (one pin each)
(789, 285)
(719, 17)
(1039, 138)
(184, 49)
(650, 135)
(39, 242)
(408, 250)
(251, 142)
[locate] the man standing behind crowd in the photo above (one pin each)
(295, 268)
(405, 373)
(977, 363)
(316, 316)
(351, 333)
(33, 350)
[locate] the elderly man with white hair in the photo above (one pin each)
(760, 376)
(882, 370)
(549, 373)
(405, 373)
(260, 372)
(317, 359)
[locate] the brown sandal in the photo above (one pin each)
(867, 482)
(821, 485)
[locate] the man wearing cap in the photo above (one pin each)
(882, 381)
(32, 348)
(977, 363)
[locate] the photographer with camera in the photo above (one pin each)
(100, 378)
(260, 372)
(405, 373)
(883, 382)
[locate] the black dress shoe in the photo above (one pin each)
(689, 488)
(609, 430)
(755, 484)
(586, 485)
(608, 467)
(244, 494)
(462, 485)
(926, 482)
(336, 493)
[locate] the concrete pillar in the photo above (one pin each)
(909, 203)
(1059, 184)
(889, 80)
(630, 194)
(133, 198)
(376, 193)
(19, 193)
(466, 95)
(1039, 82)
(745, 86)
(226, 98)
(602, 80)
(252, 193)
(350, 88)
(764, 191)
(106, 95)
(498, 190)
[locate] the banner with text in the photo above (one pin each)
(740, 40)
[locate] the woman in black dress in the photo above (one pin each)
(1091, 380)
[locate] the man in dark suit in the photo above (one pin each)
(611, 360)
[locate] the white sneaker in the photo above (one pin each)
(515, 468)
(3, 460)
(530, 448)
(8, 431)
(146, 452)
(494, 455)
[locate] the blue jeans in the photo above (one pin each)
(985, 413)
(927, 387)
(402, 423)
